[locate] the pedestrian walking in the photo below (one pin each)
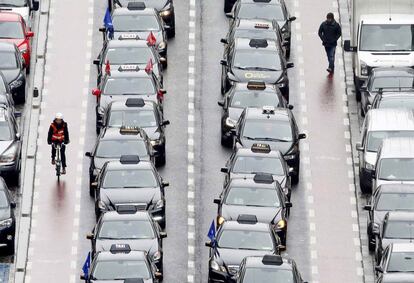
(329, 32)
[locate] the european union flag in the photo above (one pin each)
(212, 232)
(86, 266)
(108, 23)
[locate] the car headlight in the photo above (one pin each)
(290, 156)
(369, 166)
(220, 220)
(9, 155)
(364, 68)
(281, 224)
(101, 110)
(6, 223)
(162, 45)
(17, 82)
(215, 266)
(165, 13)
(155, 142)
(230, 122)
(156, 255)
(159, 204)
(96, 171)
(375, 227)
(102, 205)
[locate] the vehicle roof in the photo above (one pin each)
(115, 134)
(132, 255)
(392, 72)
(251, 23)
(234, 225)
(388, 119)
(120, 105)
(10, 17)
(117, 165)
(280, 114)
(115, 216)
(128, 43)
(243, 44)
(271, 2)
(398, 277)
(385, 18)
(400, 216)
(250, 183)
(397, 148)
(402, 247)
(248, 152)
(122, 11)
(256, 261)
(396, 188)
(7, 46)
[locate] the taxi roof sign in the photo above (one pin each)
(120, 248)
(256, 85)
(127, 36)
(268, 110)
(263, 178)
(136, 6)
(258, 43)
(272, 260)
(126, 209)
(129, 159)
(262, 1)
(247, 219)
(128, 68)
(135, 102)
(134, 280)
(125, 130)
(261, 147)
(261, 26)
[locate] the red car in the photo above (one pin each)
(13, 29)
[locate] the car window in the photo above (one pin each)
(129, 179)
(116, 148)
(255, 34)
(401, 262)
(126, 229)
(253, 164)
(125, 269)
(268, 275)
(128, 55)
(5, 132)
(262, 11)
(375, 138)
(253, 197)
(397, 102)
(257, 59)
(399, 230)
(400, 169)
(11, 30)
(142, 119)
(392, 83)
(395, 201)
(130, 23)
(268, 130)
(148, 3)
(244, 239)
(8, 60)
(139, 85)
(243, 99)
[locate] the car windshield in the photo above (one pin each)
(5, 132)
(387, 37)
(253, 197)
(375, 138)
(262, 11)
(130, 179)
(401, 262)
(243, 99)
(116, 148)
(392, 83)
(4, 203)
(245, 239)
(11, 30)
(120, 269)
(8, 60)
(126, 229)
(136, 23)
(399, 230)
(254, 164)
(268, 275)
(396, 169)
(129, 55)
(119, 86)
(13, 3)
(397, 102)
(257, 59)
(142, 119)
(395, 201)
(268, 130)
(255, 34)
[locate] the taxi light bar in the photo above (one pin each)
(129, 159)
(128, 36)
(136, 6)
(120, 248)
(261, 147)
(128, 68)
(268, 110)
(258, 43)
(135, 102)
(262, 1)
(125, 130)
(256, 85)
(134, 280)
(247, 219)
(272, 260)
(126, 209)
(263, 178)
(261, 26)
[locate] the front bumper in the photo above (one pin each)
(10, 167)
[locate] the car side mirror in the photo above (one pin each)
(367, 207)
(29, 33)
(290, 65)
(88, 154)
(229, 15)
(217, 201)
(208, 244)
(158, 274)
(302, 136)
(378, 269)
(90, 236)
(102, 29)
(165, 184)
(220, 103)
(163, 235)
(224, 170)
(291, 19)
(96, 61)
(223, 40)
(165, 122)
(290, 107)
(223, 62)
(18, 136)
(359, 146)
(348, 47)
(288, 204)
(282, 248)
(13, 205)
(35, 5)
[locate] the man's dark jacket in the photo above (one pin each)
(58, 126)
(329, 32)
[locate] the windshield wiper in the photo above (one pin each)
(263, 69)
(249, 138)
(241, 68)
(107, 238)
(247, 249)
(273, 139)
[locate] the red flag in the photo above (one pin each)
(107, 68)
(160, 95)
(148, 67)
(151, 39)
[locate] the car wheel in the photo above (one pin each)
(98, 130)
(160, 160)
(364, 189)
(357, 91)
(371, 244)
(295, 177)
(20, 97)
(171, 33)
(288, 53)
(91, 189)
(226, 142)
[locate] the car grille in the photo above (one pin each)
(233, 269)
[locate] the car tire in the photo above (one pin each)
(288, 53)
(226, 142)
(20, 98)
(160, 160)
(361, 107)
(295, 177)
(98, 130)
(357, 91)
(171, 33)
(91, 189)
(364, 189)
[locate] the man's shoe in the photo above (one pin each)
(53, 161)
(63, 171)
(329, 70)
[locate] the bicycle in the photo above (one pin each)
(58, 162)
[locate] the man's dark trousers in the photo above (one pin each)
(330, 52)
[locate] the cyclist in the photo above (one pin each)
(58, 134)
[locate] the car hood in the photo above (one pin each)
(280, 179)
(142, 34)
(270, 77)
(4, 145)
(149, 245)
(106, 99)
(234, 113)
(284, 147)
(370, 157)
(4, 213)
(130, 196)
(263, 214)
(387, 58)
(10, 74)
(99, 162)
(235, 256)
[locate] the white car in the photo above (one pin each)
(22, 7)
